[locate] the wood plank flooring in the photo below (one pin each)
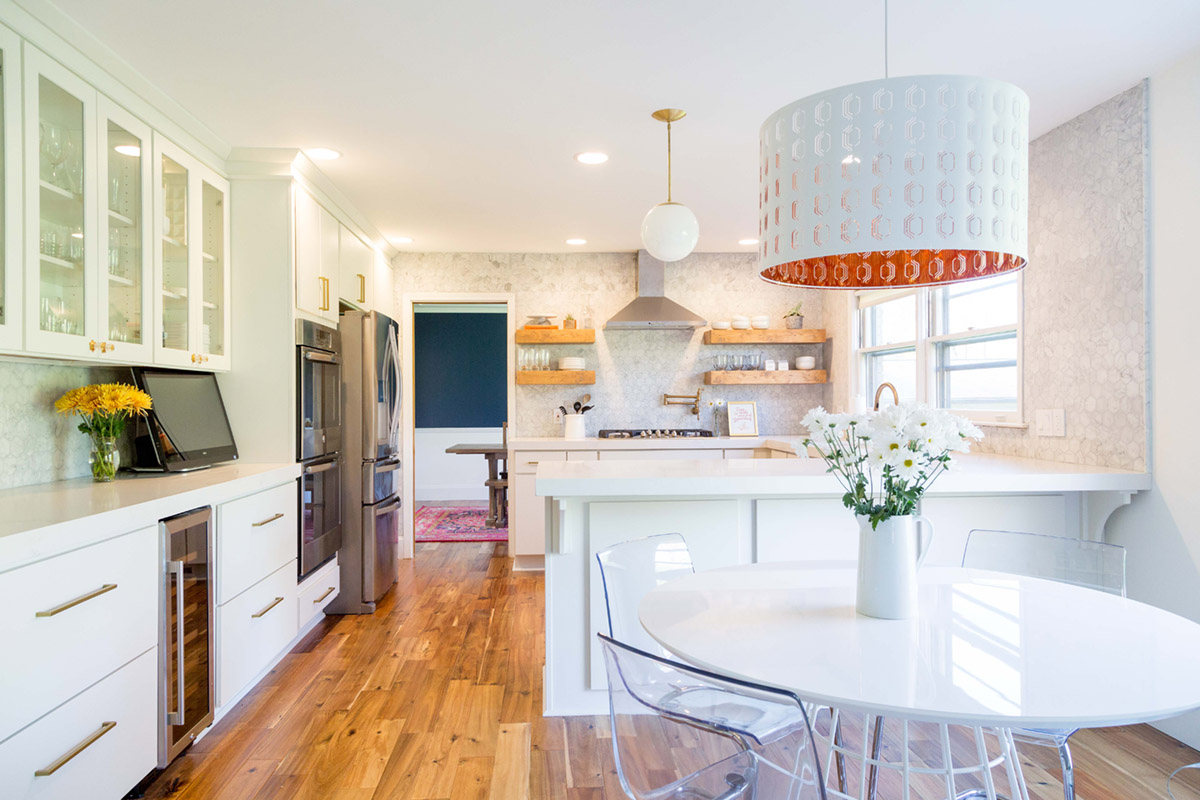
(438, 697)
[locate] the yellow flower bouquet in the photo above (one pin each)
(105, 408)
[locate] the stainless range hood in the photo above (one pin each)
(652, 309)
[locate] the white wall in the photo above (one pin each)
(440, 476)
(1161, 528)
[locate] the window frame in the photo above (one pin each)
(925, 344)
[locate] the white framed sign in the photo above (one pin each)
(743, 417)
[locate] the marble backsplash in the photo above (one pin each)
(39, 445)
(633, 368)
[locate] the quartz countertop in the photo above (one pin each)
(46, 518)
(972, 474)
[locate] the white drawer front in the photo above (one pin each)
(253, 628)
(58, 654)
(256, 535)
(316, 592)
(111, 763)
(526, 461)
(681, 454)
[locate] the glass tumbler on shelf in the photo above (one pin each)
(544, 359)
(734, 363)
(719, 362)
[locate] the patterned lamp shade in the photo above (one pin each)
(899, 182)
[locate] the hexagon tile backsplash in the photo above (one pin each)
(39, 445)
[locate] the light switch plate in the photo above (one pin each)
(1044, 422)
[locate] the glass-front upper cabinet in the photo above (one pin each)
(10, 194)
(61, 234)
(191, 261)
(124, 290)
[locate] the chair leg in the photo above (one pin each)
(840, 758)
(876, 746)
(1068, 771)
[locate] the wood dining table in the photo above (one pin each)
(497, 516)
(987, 651)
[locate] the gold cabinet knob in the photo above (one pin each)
(92, 345)
(194, 358)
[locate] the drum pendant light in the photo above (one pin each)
(670, 230)
(897, 182)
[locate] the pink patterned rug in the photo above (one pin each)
(455, 524)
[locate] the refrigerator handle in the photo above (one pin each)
(176, 717)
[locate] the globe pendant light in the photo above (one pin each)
(897, 182)
(670, 230)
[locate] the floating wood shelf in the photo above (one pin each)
(556, 377)
(573, 336)
(783, 377)
(800, 336)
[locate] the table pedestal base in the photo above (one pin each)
(943, 761)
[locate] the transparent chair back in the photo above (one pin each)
(1093, 565)
(653, 747)
(629, 571)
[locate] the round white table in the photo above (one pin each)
(986, 650)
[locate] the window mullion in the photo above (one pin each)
(922, 348)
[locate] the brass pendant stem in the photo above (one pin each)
(668, 162)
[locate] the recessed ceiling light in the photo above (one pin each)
(591, 158)
(401, 240)
(747, 241)
(576, 241)
(128, 150)
(322, 153)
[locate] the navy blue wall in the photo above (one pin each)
(460, 370)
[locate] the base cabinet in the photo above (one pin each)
(97, 745)
(253, 628)
(316, 593)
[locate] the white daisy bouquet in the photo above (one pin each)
(887, 459)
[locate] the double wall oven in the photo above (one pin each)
(319, 442)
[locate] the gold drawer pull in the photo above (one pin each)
(83, 598)
(362, 288)
(104, 728)
(274, 603)
(532, 463)
(266, 521)
(328, 592)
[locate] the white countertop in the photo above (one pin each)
(986, 648)
(790, 477)
(44, 518)
(782, 441)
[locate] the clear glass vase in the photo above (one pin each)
(105, 458)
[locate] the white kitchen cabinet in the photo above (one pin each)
(385, 285)
(11, 232)
(253, 628)
(316, 592)
(75, 618)
(317, 248)
(256, 535)
(97, 745)
(356, 270)
(61, 232)
(191, 267)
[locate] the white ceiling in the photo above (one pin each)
(459, 120)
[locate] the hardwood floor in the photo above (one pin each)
(438, 695)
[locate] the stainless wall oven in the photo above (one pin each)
(186, 638)
(319, 442)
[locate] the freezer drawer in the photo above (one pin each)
(381, 479)
(381, 529)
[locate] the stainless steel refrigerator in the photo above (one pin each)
(371, 448)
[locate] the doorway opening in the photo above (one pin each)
(460, 403)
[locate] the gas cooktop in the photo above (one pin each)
(658, 433)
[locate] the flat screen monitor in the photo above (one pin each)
(187, 427)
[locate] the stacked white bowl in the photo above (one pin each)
(760, 323)
(571, 363)
(740, 322)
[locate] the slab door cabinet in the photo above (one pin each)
(317, 249)
(191, 264)
(385, 285)
(356, 270)
(11, 169)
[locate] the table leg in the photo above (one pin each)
(490, 522)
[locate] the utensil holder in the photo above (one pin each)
(573, 427)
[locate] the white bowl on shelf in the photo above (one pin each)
(806, 362)
(721, 326)
(741, 324)
(760, 323)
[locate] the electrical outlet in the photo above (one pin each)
(1043, 422)
(558, 415)
(1058, 421)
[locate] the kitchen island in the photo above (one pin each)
(740, 511)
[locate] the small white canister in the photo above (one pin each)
(573, 427)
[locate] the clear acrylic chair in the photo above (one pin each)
(1092, 565)
(631, 569)
(670, 720)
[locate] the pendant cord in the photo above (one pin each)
(668, 161)
(885, 40)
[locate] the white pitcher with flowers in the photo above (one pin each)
(886, 460)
